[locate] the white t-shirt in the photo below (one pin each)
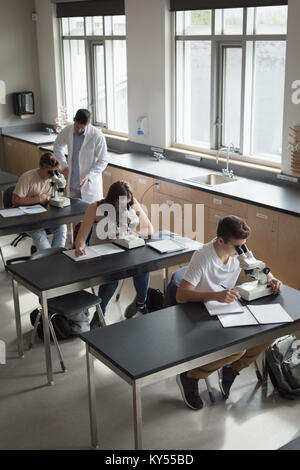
(206, 272)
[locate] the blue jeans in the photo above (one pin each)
(40, 240)
(141, 284)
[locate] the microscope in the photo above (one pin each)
(127, 225)
(58, 184)
(256, 269)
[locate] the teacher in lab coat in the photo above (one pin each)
(86, 148)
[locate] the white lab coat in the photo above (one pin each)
(92, 159)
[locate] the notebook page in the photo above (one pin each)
(273, 313)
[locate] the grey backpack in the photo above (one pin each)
(283, 365)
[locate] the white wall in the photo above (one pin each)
(148, 69)
(49, 60)
(18, 58)
(291, 116)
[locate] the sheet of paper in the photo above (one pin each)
(166, 246)
(220, 308)
(94, 252)
(14, 212)
(273, 313)
(35, 209)
(237, 319)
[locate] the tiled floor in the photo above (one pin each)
(34, 415)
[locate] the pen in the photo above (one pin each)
(226, 288)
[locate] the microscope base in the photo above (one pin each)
(60, 202)
(252, 290)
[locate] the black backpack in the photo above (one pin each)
(154, 300)
(61, 325)
(283, 366)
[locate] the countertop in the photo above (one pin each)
(32, 137)
(280, 198)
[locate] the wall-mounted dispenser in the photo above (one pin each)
(142, 125)
(23, 103)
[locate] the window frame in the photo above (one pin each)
(89, 42)
(215, 125)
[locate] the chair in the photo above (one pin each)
(73, 303)
(7, 203)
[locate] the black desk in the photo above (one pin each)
(58, 275)
(168, 342)
(6, 180)
(53, 216)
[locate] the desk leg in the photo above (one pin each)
(137, 416)
(18, 318)
(165, 279)
(46, 331)
(92, 398)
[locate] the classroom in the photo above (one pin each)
(149, 225)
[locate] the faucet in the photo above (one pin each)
(158, 156)
(50, 130)
(226, 172)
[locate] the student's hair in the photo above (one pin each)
(116, 190)
(83, 116)
(48, 160)
(233, 227)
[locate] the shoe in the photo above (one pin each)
(189, 391)
(228, 377)
(134, 308)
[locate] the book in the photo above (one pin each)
(166, 246)
(94, 251)
(257, 315)
(220, 308)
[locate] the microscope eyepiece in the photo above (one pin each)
(238, 249)
(51, 173)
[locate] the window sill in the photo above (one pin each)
(115, 136)
(212, 156)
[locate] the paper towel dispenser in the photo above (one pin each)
(23, 103)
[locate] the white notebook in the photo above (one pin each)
(94, 251)
(166, 246)
(17, 211)
(257, 315)
(220, 308)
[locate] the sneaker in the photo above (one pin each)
(228, 377)
(189, 391)
(134, 308)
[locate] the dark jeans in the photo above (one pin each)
(141, 284)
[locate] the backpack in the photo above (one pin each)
(61, 325)
(154, 300)
(283, 366)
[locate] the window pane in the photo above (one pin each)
(268, 99)
(193, 64)
(193, 22)
(120, 86)
(65, 26)
(119, 25)
(233, 21)
(94, 25)
(229, 21)
(232, 78)
(99, 74)
(75, 75)
(271, 20)
(76, 26)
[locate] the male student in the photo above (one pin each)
(34, 187)
(87, 157)
(212, 266)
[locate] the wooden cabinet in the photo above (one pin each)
(219, 207)
(287, 258)
(20, 156)
(263, 240)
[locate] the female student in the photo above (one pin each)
(113, 204)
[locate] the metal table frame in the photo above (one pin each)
(180, 258)
(138, 384)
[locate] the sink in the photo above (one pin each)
(211, 179)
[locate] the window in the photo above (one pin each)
(229, 80)
(95, 70)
